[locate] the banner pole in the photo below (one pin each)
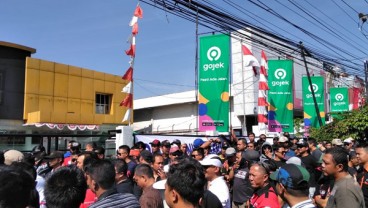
(196, 75)
(303, 51)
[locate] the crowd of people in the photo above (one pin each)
(217, 172)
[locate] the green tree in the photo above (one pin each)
(348, 124)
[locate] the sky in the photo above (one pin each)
(92, 34)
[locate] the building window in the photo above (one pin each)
(13, 140)
(103, 103)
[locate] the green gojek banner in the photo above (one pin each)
(310, 114)
(213, 96)
(280, 96)
(339, 98)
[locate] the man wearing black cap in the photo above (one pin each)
(165, 150)
(310, 164)
(177, 142)
(292, 185)
(55, 160)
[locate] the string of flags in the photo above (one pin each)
(250, 60)
(262, 94)
(128, 76)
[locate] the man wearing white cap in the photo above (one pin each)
(216, 183)
(348, 144)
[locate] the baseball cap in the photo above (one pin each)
(292, 176)
(165, 143)
(283, 139)
(336, 142)
(251, 155)
(54, 154)
(348, 140)
(156, 142)
(294, 160)
(12, 156)
(230, 152)
(38, 149)
(211, 160)
(302, 143)
(174, 148)
(177, 142)
(197, 143)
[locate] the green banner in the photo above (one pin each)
(310, 114)
(280, 96)
(339, 98)
(213, 96)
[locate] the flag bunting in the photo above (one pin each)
(128, 76)
(262, 94)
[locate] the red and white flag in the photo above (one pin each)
(135, 29)
(262, 95)
(249, 59)
(128, 101)
(131, 50)
(138, 13)
(128, 88)
(128, 74)
(127, 115)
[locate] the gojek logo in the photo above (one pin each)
(213, 54)
(314, 87)
(339, 97)
(315, 90)
(280, 74)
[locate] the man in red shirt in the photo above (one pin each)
(264, 194)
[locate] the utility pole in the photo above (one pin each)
(304, 52)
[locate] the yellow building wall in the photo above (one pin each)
(59, 93)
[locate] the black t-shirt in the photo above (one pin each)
(311, 165)
(210, 200)
(125, 187)
(279, 163)
(362, 180)
(242, 190)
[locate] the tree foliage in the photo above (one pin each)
(348, 124)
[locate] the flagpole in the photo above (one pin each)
(303, 52)
(196, 74)
(244, 115)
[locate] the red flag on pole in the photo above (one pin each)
(249, 59)
(138, 12)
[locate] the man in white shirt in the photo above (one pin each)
(216, 183)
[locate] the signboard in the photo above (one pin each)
(310, 114)
(339, 99)
(213, 92)
(280, 96)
